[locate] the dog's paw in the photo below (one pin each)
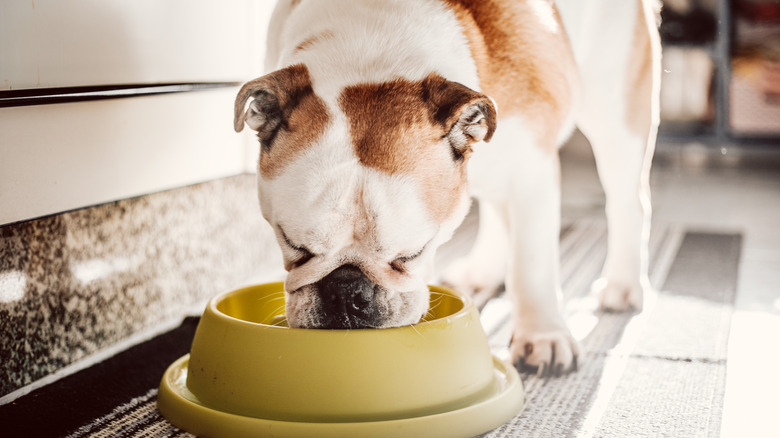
(479, 283)
(546, 353)
(616, 297)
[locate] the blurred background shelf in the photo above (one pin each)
(721, 78)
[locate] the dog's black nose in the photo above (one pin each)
(347, 295)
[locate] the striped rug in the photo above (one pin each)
(658, 373)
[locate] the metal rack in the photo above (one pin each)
(719, 132)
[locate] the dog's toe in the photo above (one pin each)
(546, 354)
(616, 297)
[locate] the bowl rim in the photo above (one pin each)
(463, 312)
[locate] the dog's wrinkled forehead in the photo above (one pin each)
(399, 127)
(422, 130)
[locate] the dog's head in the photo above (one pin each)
(361, 186)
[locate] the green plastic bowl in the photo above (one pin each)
(246, 369)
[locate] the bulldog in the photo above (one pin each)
(380, 120)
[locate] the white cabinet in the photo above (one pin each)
(55, 43)
(57, 157)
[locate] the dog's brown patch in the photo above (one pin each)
(639, 114)
(304, 116)
(399, 127)
(522, 63)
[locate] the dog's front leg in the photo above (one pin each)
(540, 338)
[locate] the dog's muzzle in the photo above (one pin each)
(348, 299)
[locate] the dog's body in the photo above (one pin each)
(367, 126)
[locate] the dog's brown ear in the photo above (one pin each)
(467, 116)
(274, 97)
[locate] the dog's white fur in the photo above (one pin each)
(321, 197)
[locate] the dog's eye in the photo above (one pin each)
(305, 257)
(304, 254)
(399, 263)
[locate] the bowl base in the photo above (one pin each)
(183, 409)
